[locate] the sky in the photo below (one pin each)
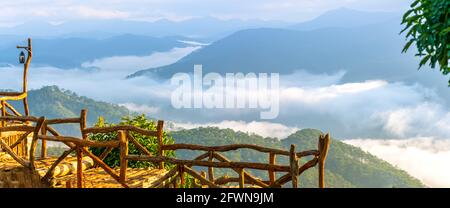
(57, 11)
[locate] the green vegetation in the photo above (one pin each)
(151, 143)
(346, 166)
(428, 26)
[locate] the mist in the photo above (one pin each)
(425, 158)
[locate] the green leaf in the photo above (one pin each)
(405, 49)
(445, 31)
(424, 60)
(415, 3)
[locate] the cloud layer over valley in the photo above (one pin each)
(424, 158)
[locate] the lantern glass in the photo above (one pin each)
(22, 57)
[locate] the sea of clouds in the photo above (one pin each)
(425, 158)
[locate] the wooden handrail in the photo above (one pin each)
(231, 147)
(11, 93)
(97, 130)
(16, 128)
(80, 142)
(62, 121)
(19, 118)
(256, 166)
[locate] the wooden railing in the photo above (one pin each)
(212, 153)
(210, 159)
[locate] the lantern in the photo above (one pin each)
(22, 57)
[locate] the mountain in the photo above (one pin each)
(364, 53)
(346, 166)
(53, 102)
(367, 52)
(346, 18)
(205, 27)
(72, 52)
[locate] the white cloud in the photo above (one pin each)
(89, 12)
(148, 110)
(423, 119)
(265, 129)
(320, 94)
(129, 64)
(424, 158)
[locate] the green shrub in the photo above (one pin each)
(151, 143)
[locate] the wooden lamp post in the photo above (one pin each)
(8, 96)
(25, 71)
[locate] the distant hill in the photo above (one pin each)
(53, 102)
(72, 52)
(346, 166)
(346, 18)
(202, 27)
(367, 52)
(365, 44)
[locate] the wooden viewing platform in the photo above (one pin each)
(78, 167)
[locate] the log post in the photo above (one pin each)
(3, 112)
(293, 161)
(241, 178)
(123, 155)
(25, 72)
(79, 167)
(324, 143)
(174, 183)
(43, 141)
(181, 173)
(211, 169)
(272, 176)
(34, 141)
(159, 129)
(203, 174)
(68, 184)
(83, 118)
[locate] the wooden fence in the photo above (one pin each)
(211, 158)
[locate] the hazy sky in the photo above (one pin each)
(18, 11)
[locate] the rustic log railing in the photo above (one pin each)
(210, 159)
(292, 171)
(20, 129)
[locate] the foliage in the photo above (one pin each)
(428, 26)
(347, 166)
(151, 143)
